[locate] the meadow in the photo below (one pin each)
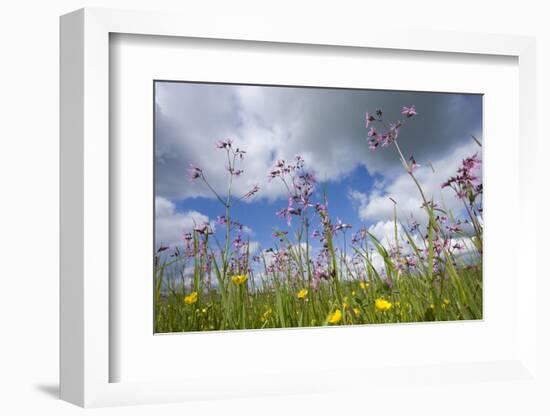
(320, 271)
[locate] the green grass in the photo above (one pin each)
(454, 295)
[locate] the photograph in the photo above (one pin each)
(282, 206)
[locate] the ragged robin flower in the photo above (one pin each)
(382, 305)
(191, 298)
(194, 172)
(335, 317)
(239, 279)
(302, 294)
(409, 111)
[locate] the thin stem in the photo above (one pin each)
(231, 171)
(409, 171)
(213, 191)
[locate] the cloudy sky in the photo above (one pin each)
(327, 128)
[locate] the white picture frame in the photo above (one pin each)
(85, 353)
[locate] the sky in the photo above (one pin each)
(326, 127)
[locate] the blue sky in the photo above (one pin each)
(260, 216)
(326, 127)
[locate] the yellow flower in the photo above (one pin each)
(191, 298)
(382, 305)
(267, 314)
(446, 301)
(335, 317)
(363, 285)
(302, 294)
(356, 311)
(353, 293)
(239, 279)
(345, 302)
(432, 306)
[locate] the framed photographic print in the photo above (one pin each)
(248, 215)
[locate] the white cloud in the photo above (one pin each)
(378, 208)
(248, 231)
(358, 197)
(253, 247)
(384, 231)
(170, 225)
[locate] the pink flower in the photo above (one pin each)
(203, 229)
(471, 162)
(410, 261)
(254, 189)
(235, 172)
(368, 119)
(194, 172)
(340, 225)
(322, 209)
(373, 143)
(240, 153)
(414, 226)
(289, 211)
(409, 111)
(454, 229)
(221, 144)
(413, 165)
(299, 162)
(458, 246)
(273, 174)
